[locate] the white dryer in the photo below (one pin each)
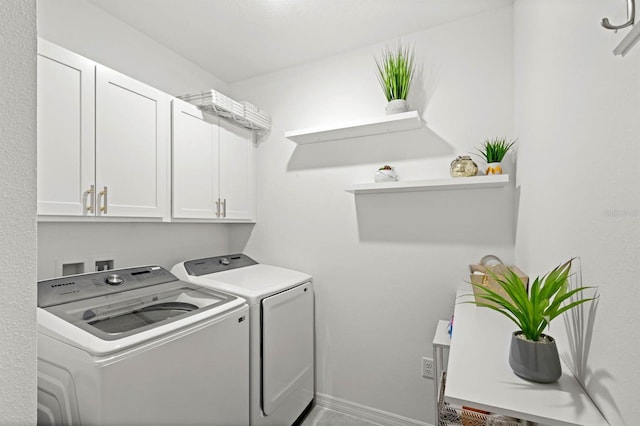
(281, 316)
(137, 346)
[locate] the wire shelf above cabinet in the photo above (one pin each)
(242, 113)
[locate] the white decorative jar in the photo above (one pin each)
(386, 175)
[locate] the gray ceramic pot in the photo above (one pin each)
(535, 361)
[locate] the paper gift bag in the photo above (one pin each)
(481, 277)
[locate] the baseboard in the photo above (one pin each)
(365, 412)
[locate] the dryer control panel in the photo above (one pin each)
(211, 265)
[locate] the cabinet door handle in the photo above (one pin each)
(224, 208)
(218, 208)
(631, 16)
(103, 194)
(90, 193)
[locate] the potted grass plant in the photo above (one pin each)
(533, 355)
(396, 68)
(493, 152)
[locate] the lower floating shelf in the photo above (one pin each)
(490, 181)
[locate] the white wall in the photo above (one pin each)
(18, 210)
(386, 266)
(85, 29)
(129, 244)
(577, 118)
(81, 27)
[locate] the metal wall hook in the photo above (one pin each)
(631, 15)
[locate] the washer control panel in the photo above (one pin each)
(84, 286)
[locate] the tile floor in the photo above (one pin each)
(320, 416)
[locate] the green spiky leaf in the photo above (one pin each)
(533, 311)
(396, 68)
(494, 150)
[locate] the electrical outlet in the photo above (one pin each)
(427, 368)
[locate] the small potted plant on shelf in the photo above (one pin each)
(533, 355)
(386, 173)
(396, 68)
(493, 152)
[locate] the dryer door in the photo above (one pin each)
(287, 348)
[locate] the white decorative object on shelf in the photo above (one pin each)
(243, 113)
(388, 124)
(493, 181)
(396, 106)
(386, 174)
(494, 168)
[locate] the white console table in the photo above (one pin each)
(479, 376)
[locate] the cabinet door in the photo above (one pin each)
(237, 172)
(195, 163)
(65, 131)
(132, 146)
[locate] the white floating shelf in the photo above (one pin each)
(474, 182)
(387, 124)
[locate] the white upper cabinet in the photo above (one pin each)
(237, 171)
(213, 167)
(195, 164)
(132, 146)
(104, 149)
(103, 140)
(66, 144)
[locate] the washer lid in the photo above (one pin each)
(130, 304)
(127, 313)
(252, 282)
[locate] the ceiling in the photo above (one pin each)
(239, 39)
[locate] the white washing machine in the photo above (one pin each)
(282, 331)
(137, 346)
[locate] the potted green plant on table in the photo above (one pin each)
(533, 355)
(396, 68)
(493, 152)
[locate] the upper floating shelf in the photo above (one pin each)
(490, 181)
(387, 124)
